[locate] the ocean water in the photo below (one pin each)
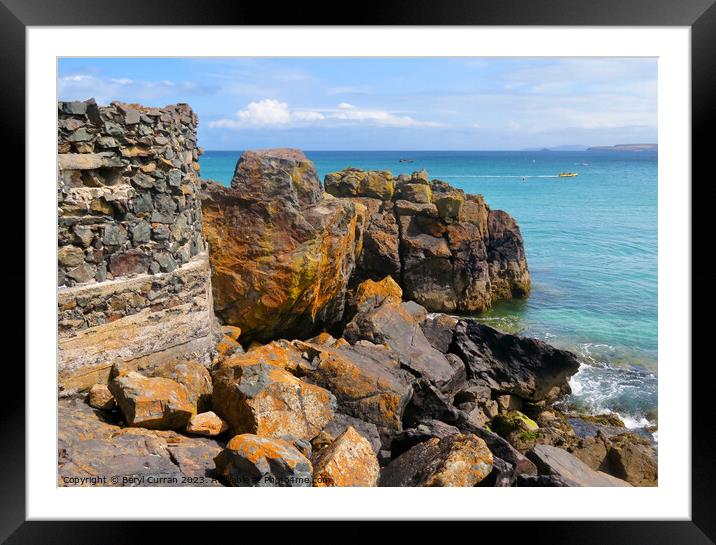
(591, 244)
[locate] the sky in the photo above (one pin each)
(465, 103)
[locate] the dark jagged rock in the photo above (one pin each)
(427, 402)
(528, 368)
(427, 429)
(448, 250)
(502, 474)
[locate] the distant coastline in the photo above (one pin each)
(626, 147)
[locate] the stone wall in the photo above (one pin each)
(133, 272)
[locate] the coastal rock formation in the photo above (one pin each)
(449, 251)
(249, 460)
(207, 423)
(281, 254)
(528, 368)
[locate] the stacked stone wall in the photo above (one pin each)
(133, 276)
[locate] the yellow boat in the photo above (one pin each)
(567, 174)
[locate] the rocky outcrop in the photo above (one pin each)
(528, 368)
(249, 460)
(281, 253)
(449, 251)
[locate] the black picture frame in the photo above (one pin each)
(699, 15)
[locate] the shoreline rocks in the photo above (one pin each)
(327, 369)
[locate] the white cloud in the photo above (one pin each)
(476, 126)
(514, 125)
(274, 113)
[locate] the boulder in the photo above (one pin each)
(207, 423)
(100, 397)
(425, 430)
(91, 451)
(339, 424)
(281, 255)
(555, 461)
(633, 462)
(250, 460)
(528, 368)
(261, 398)
(438, 330)
(395, 326)
(365, 378)
(349, 461)
(456, 460)
(190, 374)
(153, 403)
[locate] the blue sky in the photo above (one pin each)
(386, 103)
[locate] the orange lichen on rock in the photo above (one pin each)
(348, 461)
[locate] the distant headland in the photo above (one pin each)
(617, 147)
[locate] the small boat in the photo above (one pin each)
(405, 161)
(567, 174)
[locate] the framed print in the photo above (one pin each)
(435, 265)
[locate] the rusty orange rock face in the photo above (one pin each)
(348, 461)
(281, 254)
(154, 403)
(256, 396)
(371, 294)
(250, 460)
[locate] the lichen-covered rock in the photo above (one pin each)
(449, 251)
(257, 397)
(528, 368)
(281, 256)
(386, 321)
(365, 378)
(91, 451)
(100, 397)
(207, 423)
(353, 182)
(153, 403)
(250, 460)
(190, 374)
(456, 460)
(369, 294)
(348, 461)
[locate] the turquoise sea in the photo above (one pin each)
(591, 244)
